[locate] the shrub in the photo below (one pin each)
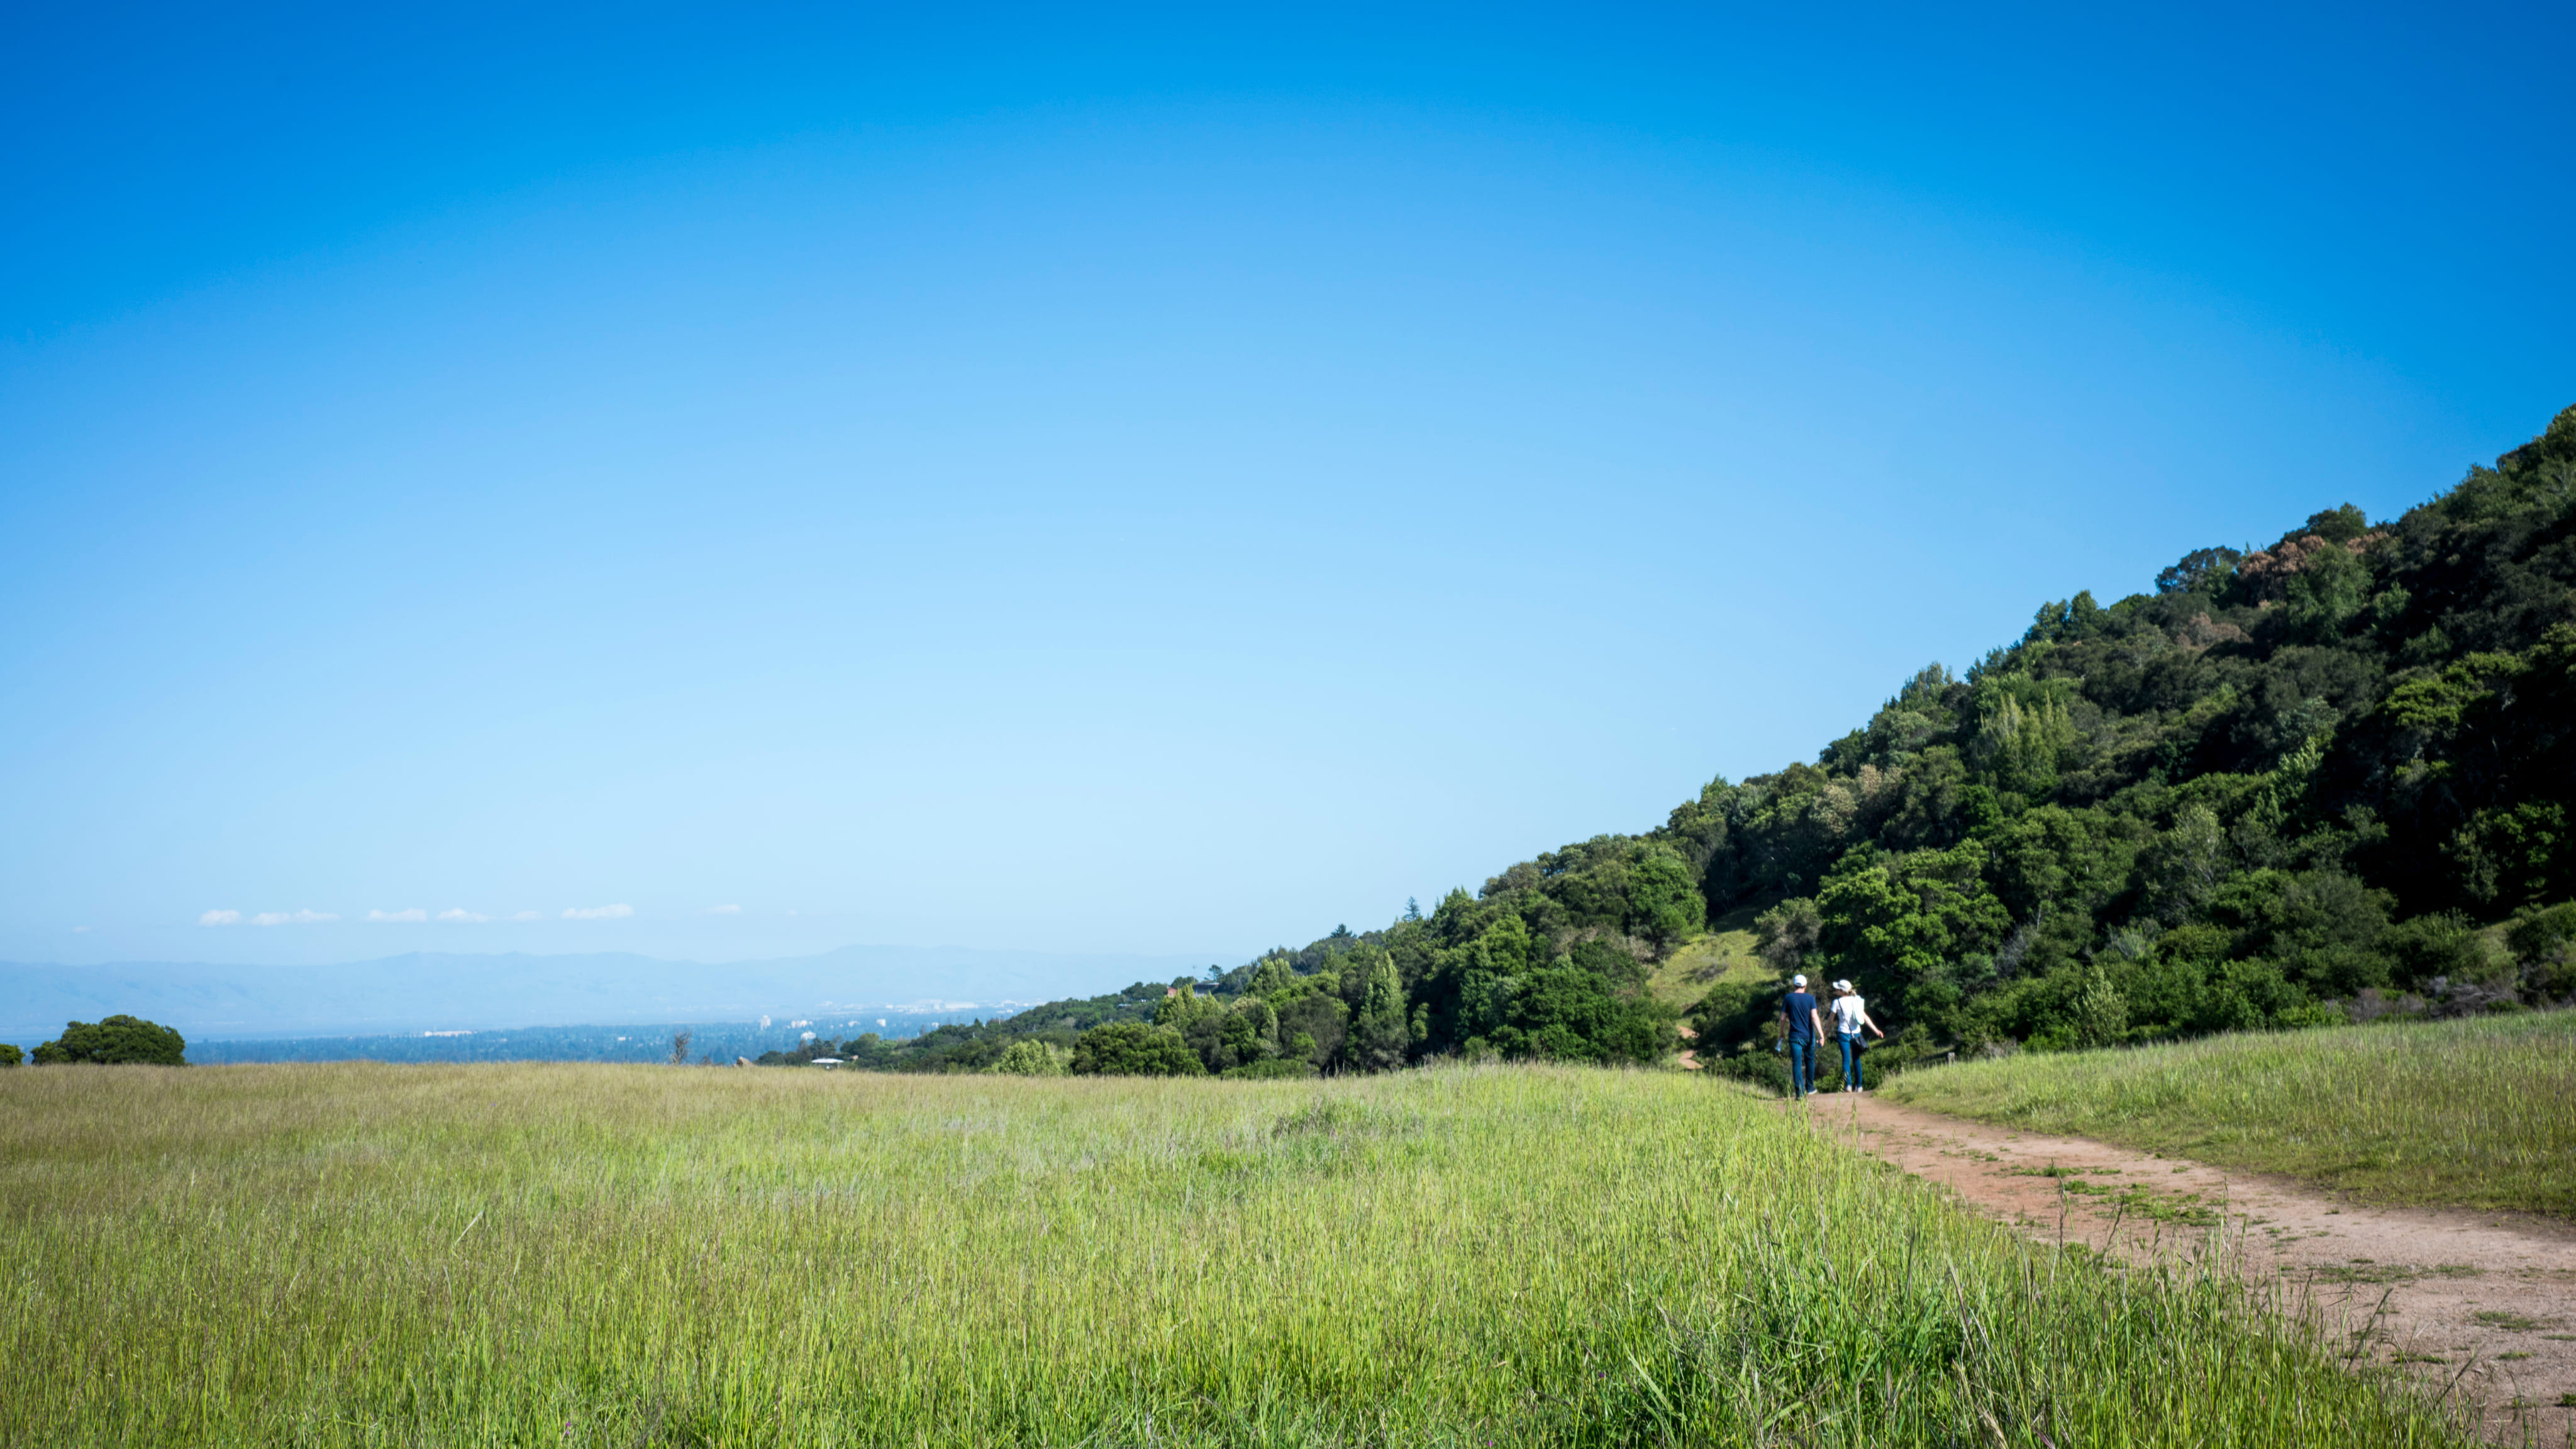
(2443, 946)
(1912, 1047)
(1761, 1067)
(1030, 1057)
(10, 1056)
(1275, 1067)
(117, 1041)
(1734, 1013)
(2544, 941)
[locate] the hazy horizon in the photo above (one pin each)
(410, 991)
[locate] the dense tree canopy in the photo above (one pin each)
(2327, 778)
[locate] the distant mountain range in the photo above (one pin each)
(436, 990)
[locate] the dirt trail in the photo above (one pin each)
(2486, 1298)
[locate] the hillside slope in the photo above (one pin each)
(2322, 780)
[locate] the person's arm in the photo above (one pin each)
(1872, 1025)
(1812, 1015)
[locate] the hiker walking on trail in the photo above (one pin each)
(1805, 1031)
(1850, 1015)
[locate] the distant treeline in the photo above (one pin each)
(1465, 979)
(2325, 779)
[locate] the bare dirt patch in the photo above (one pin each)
(2482, 1303)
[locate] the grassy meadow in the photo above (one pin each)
(602, 1254)
(2478, 1112)
(1723, 952)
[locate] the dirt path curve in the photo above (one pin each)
(2487, 1298)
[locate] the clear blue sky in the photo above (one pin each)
(1117, 479)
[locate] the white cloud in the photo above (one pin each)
(80, 930)
(220, 918)
(305, 917)
(724, 910)
(597, 913)
(529, 916)
(414, 914)
(459, 913)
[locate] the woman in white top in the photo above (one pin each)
(1850, 1014)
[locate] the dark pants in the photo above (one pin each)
(1802, 1066)
(1851, 1061)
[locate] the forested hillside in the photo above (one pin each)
(2318, 781)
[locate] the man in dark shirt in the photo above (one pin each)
(1804, 1029)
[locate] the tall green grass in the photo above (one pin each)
(594, 1255)
(2475, 1113)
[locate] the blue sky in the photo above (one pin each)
(1133, 480)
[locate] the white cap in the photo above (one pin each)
(1797, 980)
(1842, 986)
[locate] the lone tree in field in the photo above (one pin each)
(117, 1041)
(10, 1056)
(680, 1050)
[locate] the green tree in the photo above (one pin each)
(1480, 979)
(1183, 1006)
(2060, 859)
(1272, 976)
(2184, 866)
(2327, 591)
(1664, 903)
(1318, 1020)
(1784, 934)
(10, 1056)
(117, 1041)
(2023, 731)
(2320, 928)
(1203, 1024)
(1134, 1049)
(1564, 1012)
(1381, 1032)
(1909, 914)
